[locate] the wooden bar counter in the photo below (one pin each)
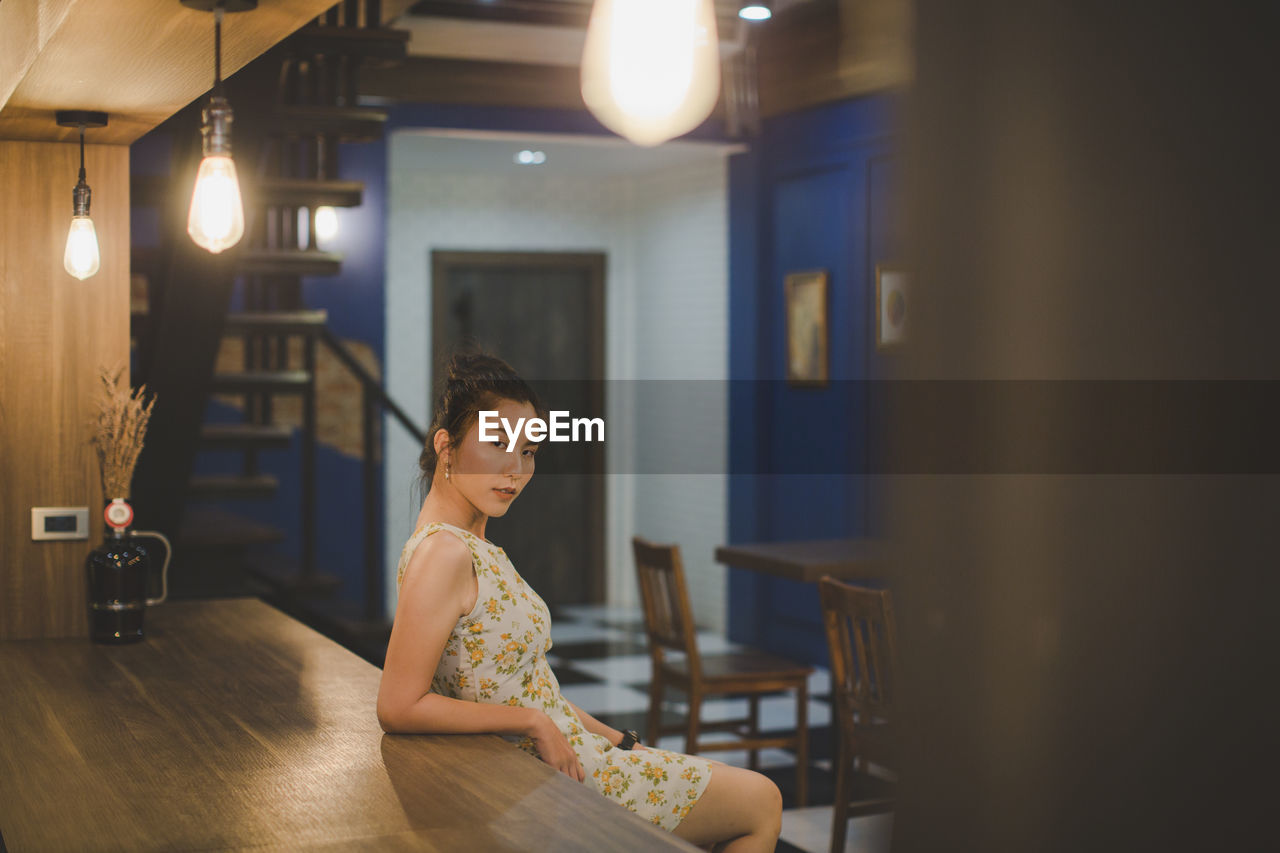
(233, 726)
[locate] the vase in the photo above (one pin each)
(118, 572)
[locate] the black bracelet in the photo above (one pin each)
(629, 740)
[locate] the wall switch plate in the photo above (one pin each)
(59, 522)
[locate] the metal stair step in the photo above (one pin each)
(150, 191)
(346, 124)
(290, 262)
(233, 487)
(305, 192)
(261, 381)
(367, 42)
(276, 322)
(245, 436)
(213, 528)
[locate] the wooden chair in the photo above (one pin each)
(669, 623)
(863, 640)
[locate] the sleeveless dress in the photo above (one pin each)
(497, 654)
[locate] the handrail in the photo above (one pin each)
(370, 382)
(373, 393)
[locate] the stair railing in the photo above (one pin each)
(373, 397)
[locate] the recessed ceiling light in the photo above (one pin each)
(756, 11)
(530, 158)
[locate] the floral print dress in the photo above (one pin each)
(497, 653)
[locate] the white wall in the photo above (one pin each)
(664, 228)
(679, 220)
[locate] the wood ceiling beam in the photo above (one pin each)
(431, 80)
(456, 38)
(435, 80)
(552, 13)
(138, 60)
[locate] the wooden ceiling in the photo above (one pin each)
(140, 61)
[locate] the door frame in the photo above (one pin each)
(594, 265)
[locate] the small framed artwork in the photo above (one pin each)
(893, 305)
(806, 296)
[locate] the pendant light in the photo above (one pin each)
(651, 68)
(81, 258)
(756, 10)
(216, 219)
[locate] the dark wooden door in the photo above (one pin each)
(543, 313)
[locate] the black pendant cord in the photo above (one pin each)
(81, 119)
(217, 50)
(81, 194)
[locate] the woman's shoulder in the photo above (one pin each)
(451, 553)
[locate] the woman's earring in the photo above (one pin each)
(447, 468)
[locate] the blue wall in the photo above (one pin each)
(814, 192)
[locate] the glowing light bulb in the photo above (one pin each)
(651, 68)
(81, 257)
(326, 223)
(755, 12)
(216, 219)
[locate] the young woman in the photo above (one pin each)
(469, 630)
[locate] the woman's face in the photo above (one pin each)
(484, 472)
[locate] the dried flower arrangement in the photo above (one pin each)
(119, 428)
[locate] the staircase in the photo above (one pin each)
(293, 107)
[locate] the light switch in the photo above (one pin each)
(59, 522)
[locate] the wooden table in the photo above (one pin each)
(234, 726)
(809, 560)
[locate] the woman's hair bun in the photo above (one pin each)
(473, 380)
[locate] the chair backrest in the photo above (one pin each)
(668, 619)
(863, 639)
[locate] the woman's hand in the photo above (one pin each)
(554, 749)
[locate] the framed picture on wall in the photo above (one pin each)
(893, 305)
(806, 297)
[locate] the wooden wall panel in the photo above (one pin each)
(54, 333)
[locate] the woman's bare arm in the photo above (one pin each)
(436, 591)
(437, 584)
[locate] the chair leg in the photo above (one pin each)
(655, 708)
(802, 744)
(695, 714)
(840, 804)
(753, 724)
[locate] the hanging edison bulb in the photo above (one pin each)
(651, 68)
(80, 258)
(216, 218)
